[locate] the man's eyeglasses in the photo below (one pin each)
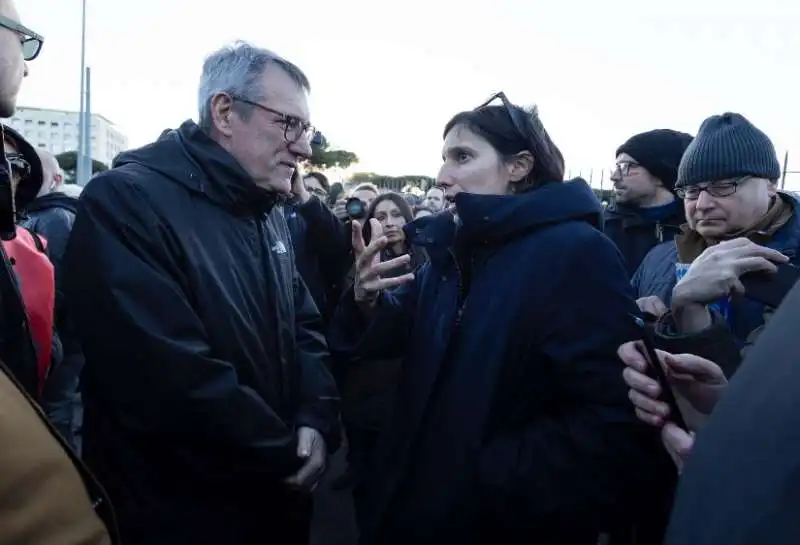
(30, 40)
(516, 116)
(294, 128)
(724, 188)
(320, 193)
(623, 168)
(19, 165)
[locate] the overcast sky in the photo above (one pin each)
(386, 77)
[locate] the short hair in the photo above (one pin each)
(321, 178)
(366, 187)
(235, 69)
(494, 124)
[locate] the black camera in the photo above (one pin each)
(355, 208)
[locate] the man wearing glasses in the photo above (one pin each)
(209, 407)
(645, 211)
(737, 223)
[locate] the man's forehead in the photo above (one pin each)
(283, 93)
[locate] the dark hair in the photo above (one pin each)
(494, 124)
(336, 190)
(321, 178)
(397, 199)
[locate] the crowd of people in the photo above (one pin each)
(187, 343)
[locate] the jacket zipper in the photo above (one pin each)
(264, 244)
(462, 291)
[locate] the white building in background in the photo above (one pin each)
(57, 132)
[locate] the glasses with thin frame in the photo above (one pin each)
(30, 40)
(623, 168)
(723, 188)
(294, 128)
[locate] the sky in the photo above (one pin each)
(386, 77)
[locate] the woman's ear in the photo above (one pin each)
(520, 166)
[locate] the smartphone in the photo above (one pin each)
(770, 288)
(648, 350)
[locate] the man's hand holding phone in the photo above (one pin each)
(699, 381)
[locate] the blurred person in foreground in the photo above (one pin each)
(740, 467)
(511, 422)
(209, 408)
(47, 495)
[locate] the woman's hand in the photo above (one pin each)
(368, 282)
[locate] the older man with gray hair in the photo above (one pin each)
(209, 407)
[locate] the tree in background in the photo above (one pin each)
(68, 161)
(323, 157)
(394, 183)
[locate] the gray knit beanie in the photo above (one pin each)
(728, 146)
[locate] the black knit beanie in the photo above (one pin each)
(728, 146)
(658, 151)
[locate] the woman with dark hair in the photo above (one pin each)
(368, 384)
(511, 422)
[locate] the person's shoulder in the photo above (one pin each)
(666, 252)
(579, 236)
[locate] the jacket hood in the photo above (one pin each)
(28, 187)
(494, 218)
(631, 215)
(53, 200)
(191, 158)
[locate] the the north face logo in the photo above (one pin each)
(279, 248)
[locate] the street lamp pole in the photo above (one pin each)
(81, 176)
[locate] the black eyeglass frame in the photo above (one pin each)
(26, 36)
(288, 121)
(513, 113)
(722, 189)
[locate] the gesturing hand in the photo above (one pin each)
(369, 268)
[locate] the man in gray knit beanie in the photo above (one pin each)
(737, 222)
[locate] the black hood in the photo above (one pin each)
(189, 157)
(29, 186)
(494, 218)
(53, 200)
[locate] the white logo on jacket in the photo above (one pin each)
(279, 248)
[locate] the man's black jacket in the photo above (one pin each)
(203, 347)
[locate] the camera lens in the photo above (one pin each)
(355, 208)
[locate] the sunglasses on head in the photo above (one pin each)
(517, 117)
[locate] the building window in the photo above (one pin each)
(54, 123)
(28, 122)
(42, 145)
(42, 123)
